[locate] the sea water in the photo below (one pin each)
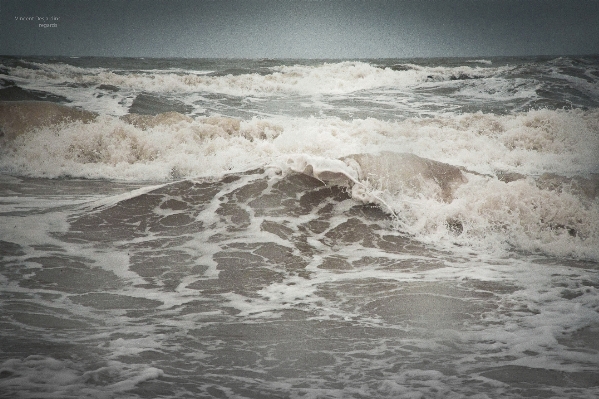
(181, 228)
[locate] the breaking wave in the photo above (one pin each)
(327, 78)
(527, 181)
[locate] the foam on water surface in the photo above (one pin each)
(280, 285)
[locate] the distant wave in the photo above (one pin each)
(328, 78)
(481, 61)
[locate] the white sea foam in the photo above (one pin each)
(497, 89)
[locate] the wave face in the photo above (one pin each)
(299, 228)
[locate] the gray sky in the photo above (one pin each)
(299, 28)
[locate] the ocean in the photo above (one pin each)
(215, 228)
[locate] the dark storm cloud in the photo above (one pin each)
(299, 28)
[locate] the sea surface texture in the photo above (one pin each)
(179, 228)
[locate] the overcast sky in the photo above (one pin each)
(299, 28)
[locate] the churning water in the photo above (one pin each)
(299, 229)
